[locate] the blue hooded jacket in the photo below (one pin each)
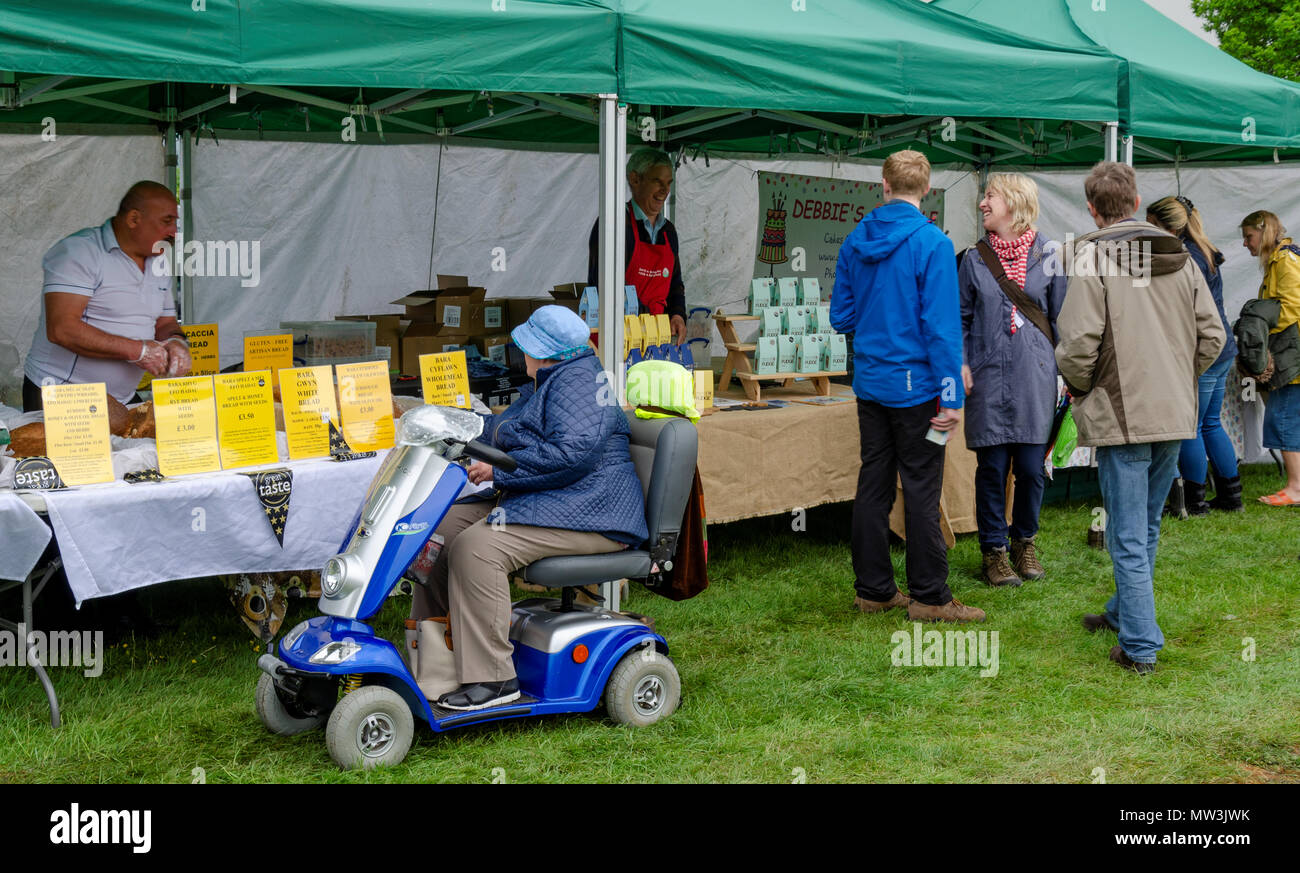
(896, 292)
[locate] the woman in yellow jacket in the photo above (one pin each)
(1265, 237)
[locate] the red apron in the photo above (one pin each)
(650, 269)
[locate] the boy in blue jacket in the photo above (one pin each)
(896, 292)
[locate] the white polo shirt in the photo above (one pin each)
(124, 301)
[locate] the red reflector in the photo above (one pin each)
(580, 654)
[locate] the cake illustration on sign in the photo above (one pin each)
(773, 248)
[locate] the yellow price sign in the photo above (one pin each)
(205, 349)
(445, 377)
(366, 403)
(76, 432)
(186, 417)
(272, 352)
(245, 419)
(308, 397)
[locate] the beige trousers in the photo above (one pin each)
(470, 582)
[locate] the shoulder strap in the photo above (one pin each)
(1014, 292)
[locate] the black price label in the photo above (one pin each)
(36, 474)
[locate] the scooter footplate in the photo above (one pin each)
(451, 717)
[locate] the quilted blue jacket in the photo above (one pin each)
(574, 470)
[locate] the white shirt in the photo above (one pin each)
(124, 300)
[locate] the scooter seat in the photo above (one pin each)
(569, 570)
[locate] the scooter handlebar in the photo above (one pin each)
(489, 455)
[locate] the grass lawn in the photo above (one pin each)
(782, 679)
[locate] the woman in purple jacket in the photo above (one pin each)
(1010, 373)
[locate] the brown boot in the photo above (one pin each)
(899, 599)
(996, 569)
(953, 610)
(1024, 560)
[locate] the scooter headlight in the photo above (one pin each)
(335, 652)
(333, 577)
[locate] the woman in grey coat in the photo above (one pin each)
(1010, 372)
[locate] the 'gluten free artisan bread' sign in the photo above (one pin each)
(76, 432)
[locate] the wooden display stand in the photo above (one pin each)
(738, 363)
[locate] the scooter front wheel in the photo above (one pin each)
(276, 716)
(370, 726)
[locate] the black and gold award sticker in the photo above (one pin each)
(273, 489)
(37, 473)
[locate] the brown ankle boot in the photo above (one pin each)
(899, 599)
(1024, 560)
(953, 610)
(996, 569)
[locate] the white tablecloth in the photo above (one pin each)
(23, 537)
(117, 537)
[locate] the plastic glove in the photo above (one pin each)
(153, 358)
(178, 357)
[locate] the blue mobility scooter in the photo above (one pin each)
(333, 670)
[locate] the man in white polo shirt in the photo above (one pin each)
(108, 315)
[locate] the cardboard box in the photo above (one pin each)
(632, 338)
(810, 292)
(835, 353)
(388, 329)
(703, 389)
(762, 294)
(454, 303)
(589, 306)
(810, 353)
(631, 302)
(568, 295)
(787, 291)
(794, 320)
(787, 353)
(495, 348)
(424, 338)
(498, 390)
(665, 323)
(765, 356)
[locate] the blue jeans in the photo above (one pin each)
(1210, 435)
(1135, 480)
(993, 464)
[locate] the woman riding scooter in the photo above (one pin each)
(574, 492)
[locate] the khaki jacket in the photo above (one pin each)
(1139, 325)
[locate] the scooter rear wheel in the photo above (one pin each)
(276, 716)
(643, 688)
(370, 726)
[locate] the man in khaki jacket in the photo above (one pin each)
(1138, 327)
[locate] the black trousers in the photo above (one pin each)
(32, 401)
(894, 447)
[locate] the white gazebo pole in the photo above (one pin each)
(613, 227)
(187, 221)
(1112, 141)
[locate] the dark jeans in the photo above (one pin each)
(894, 446)
(994, 462)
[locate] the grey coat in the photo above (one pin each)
(1013, 396)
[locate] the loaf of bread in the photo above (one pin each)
(118, 417)
(141, 425)
(28, 441)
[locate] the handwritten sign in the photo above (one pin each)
(366, 401)
(76, 432)
(445, 377)
(186, 418)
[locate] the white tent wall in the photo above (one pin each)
(1224, 196)
(343, 230)
(52, 189)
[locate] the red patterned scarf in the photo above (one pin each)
(1014, 255)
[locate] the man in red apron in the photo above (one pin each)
(651, 249)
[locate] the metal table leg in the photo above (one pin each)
(30, 593)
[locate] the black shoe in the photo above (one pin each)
(1194, 493)
(1093, 623)
(480, 695)
(1142, 668)
(1176, 503)
(1227, 494)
